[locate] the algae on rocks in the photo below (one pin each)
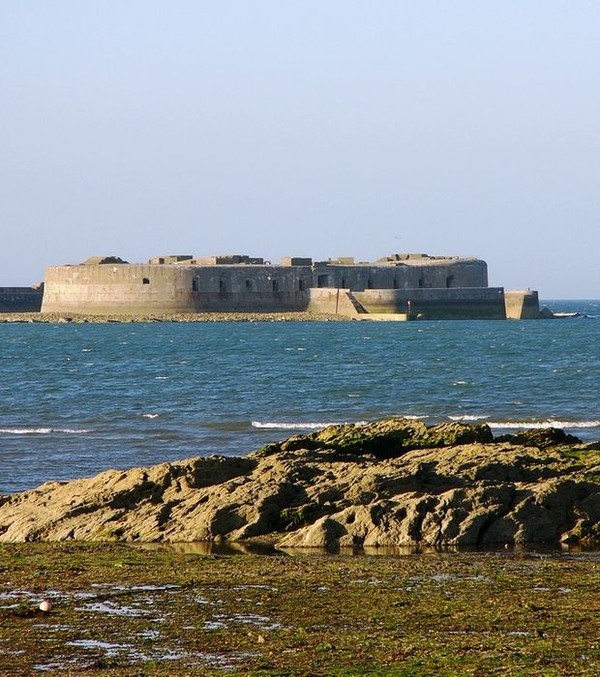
(388, 438)
(394, 482)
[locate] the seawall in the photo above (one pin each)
(522, 305)
(417, 304)
(20, 299)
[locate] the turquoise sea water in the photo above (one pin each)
(79, 398)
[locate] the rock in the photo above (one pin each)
(384, 439)
(540, 437)
(390, 482)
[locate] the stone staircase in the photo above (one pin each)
(358, 306)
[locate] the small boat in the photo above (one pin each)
(567, 315)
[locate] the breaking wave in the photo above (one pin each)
(519, 425)
(300, 425)
(512, 425)
(467, 418)
(42, 431)
(500, 425)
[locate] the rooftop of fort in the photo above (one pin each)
(405, 258)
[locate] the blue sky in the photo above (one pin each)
(278, 127)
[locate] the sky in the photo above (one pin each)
(318, 128)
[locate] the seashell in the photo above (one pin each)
(45, 606)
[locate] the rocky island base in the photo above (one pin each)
(394, 482)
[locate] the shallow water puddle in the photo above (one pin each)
(128, 651)
(222, 621)
(109, 648)
(122, 605)
(57, 666)
(113, 609)
(263, 622)
(213, 625)
(149, 634)
(211, 660)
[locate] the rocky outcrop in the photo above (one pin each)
(391, 482)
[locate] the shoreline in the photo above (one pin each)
(84, 318)
(392, 482)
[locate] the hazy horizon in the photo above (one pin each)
(138, 128)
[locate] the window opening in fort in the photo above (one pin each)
(369, 283)
(249, 285)
(195, 284)
(449, 281)
(301, 285)
(421, 282)
(275, 284)
(343, 285)
(323, 281)
(145, 280)
(221, 285)
(395, 283)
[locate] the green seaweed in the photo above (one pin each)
(165, 611)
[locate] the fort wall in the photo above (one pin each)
(424, 287)
(141, 289)
(522, 305)
(107, 289)
(440, 304)
(422, 304)
(421, 273)
(20, 299)
(334, 302)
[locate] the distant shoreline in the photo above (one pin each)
(83, 318)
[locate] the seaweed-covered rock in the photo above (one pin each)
(390, 482)
(387, 438)
(540, 438)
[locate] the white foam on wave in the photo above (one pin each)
(468, 417)
(512, 425)
(149, 415)
(42, 431)
(300, 425)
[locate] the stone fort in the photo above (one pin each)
(400, 286)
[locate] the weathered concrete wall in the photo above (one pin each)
(436, 288)
(425, 304)
(522, 305)
(424, 273)
(107, 289)
(249, 279)
(437, 304)
(20, 299)
(141, 289)
(332, 302)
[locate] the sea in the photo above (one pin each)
(76, 399)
